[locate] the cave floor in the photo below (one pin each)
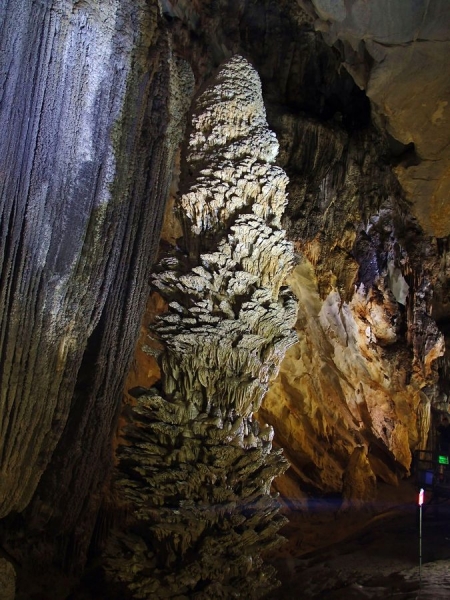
(336, 553)
(332, 552)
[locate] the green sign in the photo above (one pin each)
(443, 460)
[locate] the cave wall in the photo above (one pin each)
(88, 130)
(399, 53)
(365, 371)
(364, 374)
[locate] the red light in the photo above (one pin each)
(421, 496)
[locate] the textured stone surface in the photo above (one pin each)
(90, 97)
(90, 120)
(350, 222)
(367, 344)
(195, 467)
(400, 53)
(7, 580)
(359, 482)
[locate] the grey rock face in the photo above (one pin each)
(88, 135)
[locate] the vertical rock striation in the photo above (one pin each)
(196, 467)
(89, 131)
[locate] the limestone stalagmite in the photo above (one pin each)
(197, 468)
(365, 366)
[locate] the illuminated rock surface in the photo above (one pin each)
(196, 468)
(93, 98)
(89, 130)
(400, 54)
(364, 371)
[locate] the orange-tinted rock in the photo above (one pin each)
(359, 482)
(145, 371)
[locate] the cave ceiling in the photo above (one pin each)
(396, 53)
(407, 48)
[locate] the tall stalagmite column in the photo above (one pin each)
(197, 467)
(89, 122)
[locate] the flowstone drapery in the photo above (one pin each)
(196, 467)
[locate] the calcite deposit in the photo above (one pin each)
(196, 467)
(364, 374)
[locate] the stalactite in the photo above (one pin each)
(196, 467)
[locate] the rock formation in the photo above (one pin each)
(196, 467)
(89, 131)
(7, 580)
(400, 55)
(365, 370)
(365, 367)
(93, 104)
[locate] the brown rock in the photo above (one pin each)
(359, 482)
(7, 580)
(409, 48)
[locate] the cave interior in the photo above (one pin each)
(224, 298)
